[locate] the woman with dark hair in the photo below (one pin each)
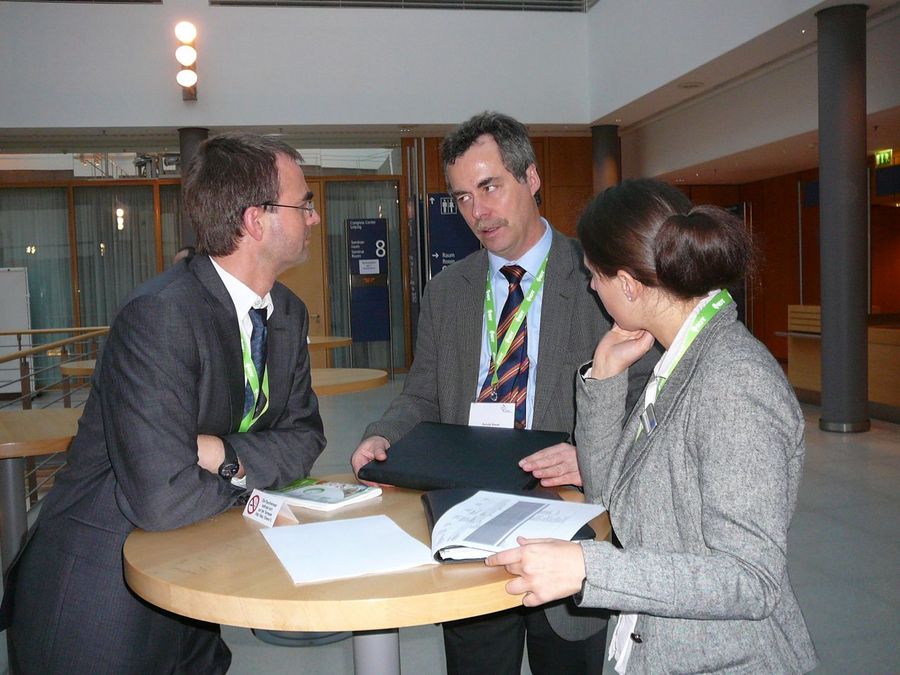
(700, 478)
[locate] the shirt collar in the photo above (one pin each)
(675, 348)
(243, 297)
(531, 261)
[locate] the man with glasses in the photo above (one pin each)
(491, 171)
(202, 393)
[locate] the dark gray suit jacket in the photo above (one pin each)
(171, 369)
(443, 379)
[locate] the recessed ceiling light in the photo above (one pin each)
(690, 84)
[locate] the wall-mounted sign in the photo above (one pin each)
(449, 238)
(370, 312)
(367, 241)
(884, 157)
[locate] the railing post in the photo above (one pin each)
(25, 382)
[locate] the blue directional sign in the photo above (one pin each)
(370, 314)
(449, 238)
(367, 243)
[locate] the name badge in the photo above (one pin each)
(269, 510)
(648, 419)
(498, 415)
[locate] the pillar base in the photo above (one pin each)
(845, 427)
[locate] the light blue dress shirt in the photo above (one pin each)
(531, 263)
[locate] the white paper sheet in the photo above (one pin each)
(338, 549)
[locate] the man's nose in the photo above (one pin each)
(479, 208)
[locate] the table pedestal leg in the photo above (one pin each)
(13, 521)
(376, 652)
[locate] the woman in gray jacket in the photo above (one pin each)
(700, 478)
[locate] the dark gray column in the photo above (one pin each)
(607, 153)
(189, 139)
(843, 240)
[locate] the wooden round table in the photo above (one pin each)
(72, 369)
(330, 381)
(221, 570)
(318, 343)
(26, 433)
(83, 368)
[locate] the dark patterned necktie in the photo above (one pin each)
(258, 356)
(512, 373)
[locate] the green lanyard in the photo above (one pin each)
(253, 379)
(497, 355)
(718, 302)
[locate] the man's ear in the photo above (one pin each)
(533, 179)
(252, 224)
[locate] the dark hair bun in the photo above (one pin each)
(707, 248)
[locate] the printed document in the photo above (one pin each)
(489, 522)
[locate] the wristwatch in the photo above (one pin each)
(230, 466)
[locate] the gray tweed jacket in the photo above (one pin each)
(702, 508)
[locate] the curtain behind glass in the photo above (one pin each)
(112, 261)
(170, 218)
(363, 199)
(34, 233)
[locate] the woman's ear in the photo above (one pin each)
(628, 284)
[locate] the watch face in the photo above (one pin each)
(229, 470)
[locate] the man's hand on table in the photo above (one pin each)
(372, 448)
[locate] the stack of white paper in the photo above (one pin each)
(337, 549)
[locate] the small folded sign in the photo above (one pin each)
(268, 509)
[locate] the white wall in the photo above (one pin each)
(774, 106)
(637, 46)
(97, 65)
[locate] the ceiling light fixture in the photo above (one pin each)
(186, 55)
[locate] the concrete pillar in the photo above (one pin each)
(607, 153)
(843, 213)
(189, 139)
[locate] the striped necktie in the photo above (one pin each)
(512, 373)
(258, 356)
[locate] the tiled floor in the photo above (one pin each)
(844, 554)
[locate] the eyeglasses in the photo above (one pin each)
(307, 206)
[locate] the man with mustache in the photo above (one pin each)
(490, 168)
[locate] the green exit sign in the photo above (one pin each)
(884, 157)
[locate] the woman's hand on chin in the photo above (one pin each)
(618, 349)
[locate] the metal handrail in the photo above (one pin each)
(42, 331)
(24, 353)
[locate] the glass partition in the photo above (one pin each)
(364, 199)
(170, 220)
(34, 234)
(116, 241)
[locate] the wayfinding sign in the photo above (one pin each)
(370, 311)
(449, 238)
